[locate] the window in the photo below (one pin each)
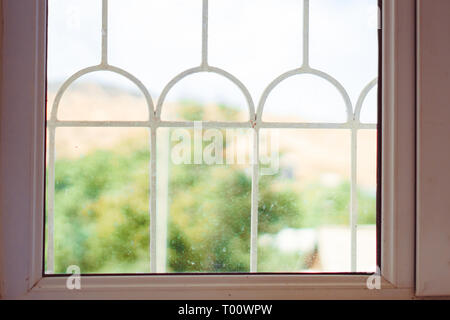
(22, 213)
(137, 186)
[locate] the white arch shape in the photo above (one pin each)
(209, 69)
(119, 71)
(362, 97)
(303, 70)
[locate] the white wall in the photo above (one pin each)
(433, 148)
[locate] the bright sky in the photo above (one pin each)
(255, 40)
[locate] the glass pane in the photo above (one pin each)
(204, 190)
(367, 188)
(304, 207)
(154, 39)
(74, 33)
(305, 98)
(255, 40)
(344, 41)
(101, 200)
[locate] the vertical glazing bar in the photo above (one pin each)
(205, 34)
(305, 33)
(51, 202)
(104, 32)
(254, 203)
(354, 199)
(153, 218)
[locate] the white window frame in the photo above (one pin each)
(22, 156)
